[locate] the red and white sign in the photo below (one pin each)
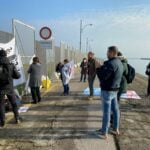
(45, 33)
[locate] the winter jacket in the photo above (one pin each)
(84, 67)
(148, 70)
(66, 72)
(13, 74)
(110, 75)
(91, 67)
(35, 75)
(123, 85)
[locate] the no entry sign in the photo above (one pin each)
(45, 33)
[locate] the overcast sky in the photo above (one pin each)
(125, 23)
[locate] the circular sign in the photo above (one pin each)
(45, 33)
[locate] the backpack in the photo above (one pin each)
(4, 75)
(131, 74)
(148, 70)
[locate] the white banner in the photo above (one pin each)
(14, 57)
(9, 47)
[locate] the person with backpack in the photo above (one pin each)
(35, 80)
(123, 84)
(83, 66)
(110, 76)
(8, 72)
(148, 74)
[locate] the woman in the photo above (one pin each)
(35, 80)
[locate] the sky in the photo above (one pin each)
(124, 23)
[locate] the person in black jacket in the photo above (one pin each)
(8, 89)
(110, 75)
(84, 67)
(148, 74)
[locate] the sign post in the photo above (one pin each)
(45, 34)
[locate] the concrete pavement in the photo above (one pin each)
(59, 123)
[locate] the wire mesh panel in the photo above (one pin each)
(25, 40)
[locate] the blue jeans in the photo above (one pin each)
(110, 104)
(66, 89)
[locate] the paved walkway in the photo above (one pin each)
(59, 123)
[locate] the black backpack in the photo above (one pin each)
(131, 74)
(4, 75)
(147, 72)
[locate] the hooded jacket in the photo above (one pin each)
(123, 85)
(13, 74)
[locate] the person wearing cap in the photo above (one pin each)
(91, 73)
(6, 88)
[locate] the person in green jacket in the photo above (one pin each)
(124, 84)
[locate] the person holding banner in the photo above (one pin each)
(8, 72)
(35, 80)
(66, 76)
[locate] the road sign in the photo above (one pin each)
(46, 44)
(45, 33)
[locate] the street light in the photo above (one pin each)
(81, 31)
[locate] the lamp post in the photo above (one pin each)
(81, 31)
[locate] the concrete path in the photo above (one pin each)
(59, 123)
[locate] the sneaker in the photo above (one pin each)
(102, 135)
(2, 124)
(33, 102)
(18, 120)
(90, 98)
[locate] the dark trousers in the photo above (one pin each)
(148, 88)
(83, 76)
(66, 89)
(13, 103)
(36, 95)
(91, 79)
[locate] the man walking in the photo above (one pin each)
(91, 73)
(110, 75)
(8, 72)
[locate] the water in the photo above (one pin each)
(139, 64)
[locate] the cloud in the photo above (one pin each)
(128, 28)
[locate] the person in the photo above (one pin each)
(66, 77)
(148, 74)
(123, 84)
(8, 72)
(91, 73)
(110, 75)
(83, 67)
(59, 69)
(35, 80)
